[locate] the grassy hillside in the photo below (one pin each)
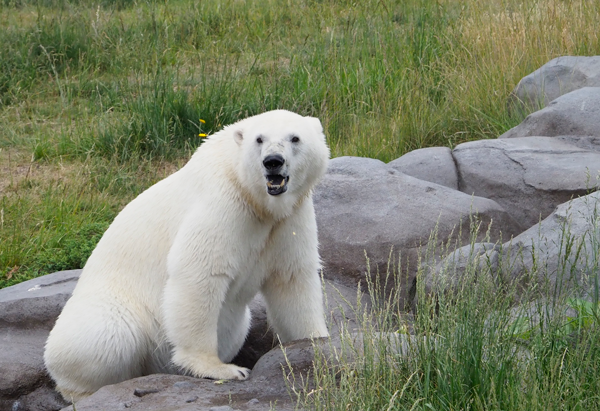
(100, 100)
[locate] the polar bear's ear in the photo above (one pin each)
(315, 123)
(238, 136)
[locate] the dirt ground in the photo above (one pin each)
(17, 166)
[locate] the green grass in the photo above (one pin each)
(52, 217)
(486, 345)
(385, 78)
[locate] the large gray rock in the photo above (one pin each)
(564, 248)
(529, 176)
(559, 255)
(27, 313)
(24, 383)
(461, 265)
(555, 78)
(574, 114)
(362, 206)
(433, 164)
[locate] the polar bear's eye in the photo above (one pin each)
(295, 139)
(259, 140)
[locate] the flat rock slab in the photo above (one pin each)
(162, 392)
(529, 176)
(266, 389)
(275, 377)
(37, 302)
(557, 77)
(364, 207)
(433, 164)
(574, 114)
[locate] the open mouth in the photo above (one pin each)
(277, 184)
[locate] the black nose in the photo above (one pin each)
(273, 162)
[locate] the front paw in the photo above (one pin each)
(228, 372)
(203, 366)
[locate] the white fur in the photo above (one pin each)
(169, 282)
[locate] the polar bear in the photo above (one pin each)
(167, 287)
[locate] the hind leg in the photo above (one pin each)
(95, 342)
(159, 360)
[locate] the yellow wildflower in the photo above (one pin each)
(202, 134)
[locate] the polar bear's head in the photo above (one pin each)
(282, 153)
